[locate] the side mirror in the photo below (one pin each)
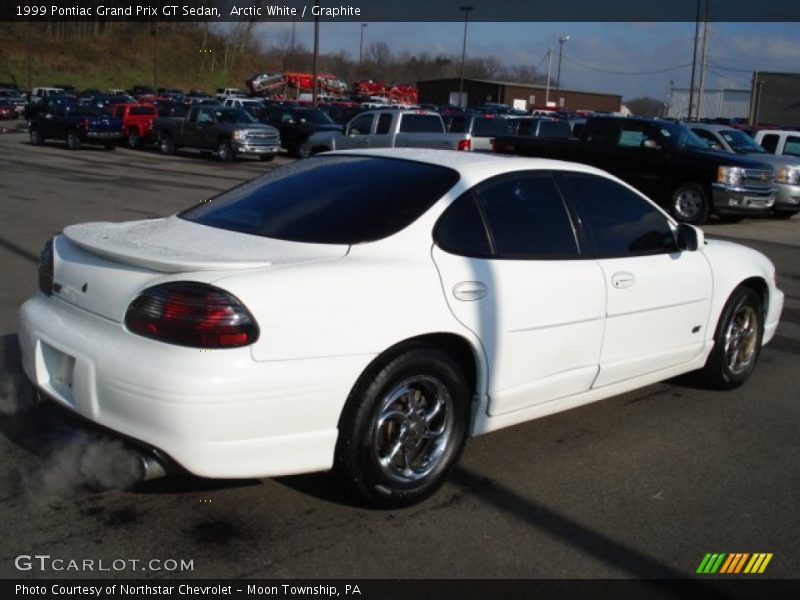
(651, 144)
(689, 237)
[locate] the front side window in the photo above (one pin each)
(361, 125)
(384, 123)
(618, 221)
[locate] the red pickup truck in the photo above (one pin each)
(137, 121)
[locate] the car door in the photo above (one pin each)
(382, 137)
(657, 297)
(358, 132)
(641, 160)
(513, 273)
(207, 131)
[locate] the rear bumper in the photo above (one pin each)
(215, 413)
(739, 201)
(107, 136)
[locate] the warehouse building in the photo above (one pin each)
(724, 103)
(481, 91)
(776, 98)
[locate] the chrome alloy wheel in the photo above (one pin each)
(741, 335)
(687, 204)
(412, 429)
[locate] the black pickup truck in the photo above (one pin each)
(76, 125)
(228, 131)
(666, 162)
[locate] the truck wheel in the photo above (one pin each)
(73, 141)
(37, 139)
(134, 141)
(403, 428)
(737, 341)
(165, 144)
(778, 214)
(690, 204)
(224, 151)
(110, 146)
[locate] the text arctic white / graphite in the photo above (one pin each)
(276, 10)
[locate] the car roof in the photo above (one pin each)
(468, 162)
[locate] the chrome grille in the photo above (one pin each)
(758, 179)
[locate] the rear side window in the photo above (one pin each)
(421, 124)
(554, 129)
(384, 123)
(770, 143)
(461, 229)
(619, 222)
(527, 218)
(329, 200)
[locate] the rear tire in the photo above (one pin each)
(73, 142)
(690, 204)
(134, 140)
(737, 341)
(165, 144)
(403, 428)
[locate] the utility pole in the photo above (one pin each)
(702, 66)
(316, 57)
(155, 59)
(694, 60)
(561, 41)
(466, 10)
(547, 88)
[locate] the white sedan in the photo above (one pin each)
(366, 312)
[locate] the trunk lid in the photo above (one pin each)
(102, 267)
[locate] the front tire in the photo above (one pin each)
(37, 139)
(783, 214)
(690, 204)
(267, 157)
(166, 145)
(225, 151)
(403, 428)
(737, 341)
(134, 140)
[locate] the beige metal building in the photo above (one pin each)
(481, 91)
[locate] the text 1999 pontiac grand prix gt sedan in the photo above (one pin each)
(366, 312)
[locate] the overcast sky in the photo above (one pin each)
(618, 58)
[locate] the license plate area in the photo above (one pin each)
(59, 371)
(754, 202)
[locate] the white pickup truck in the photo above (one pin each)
(779, 141)
(391, 128)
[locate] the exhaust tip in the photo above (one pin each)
(150, 468)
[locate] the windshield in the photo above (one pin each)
(233, 115)
(741, 142)
(314, 116)
(329, 200)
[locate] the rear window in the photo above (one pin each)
(490, 127)
(554, 129)
(329, 200)
(421, 124)
(142, 110)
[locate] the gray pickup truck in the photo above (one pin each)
(391, 128)
(228, 131)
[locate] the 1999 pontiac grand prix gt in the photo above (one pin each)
(368, 311)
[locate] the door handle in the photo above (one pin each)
(470, 290)
(623, 280)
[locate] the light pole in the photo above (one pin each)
(316, 57)
(547, 89)
(561, 41)
(361, 48)
(466, 10)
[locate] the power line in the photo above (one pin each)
(724, 68)
(635, 73)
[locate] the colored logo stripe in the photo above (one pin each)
(734, 563)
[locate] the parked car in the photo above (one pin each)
(541, 127)
(223, 93)
(481, 128)
(666, 161)
(389, 129)
(254, 106)
(76, 125)
(780, 141)
(229, 131)
(297, 124)
(137, 121)
(7, 110)
(479, 292)
(14, 98)
(341, 113)
(787, 169)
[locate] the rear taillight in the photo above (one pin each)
(465, 145)
(85, 123)
(46, 268)
(191, 314)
